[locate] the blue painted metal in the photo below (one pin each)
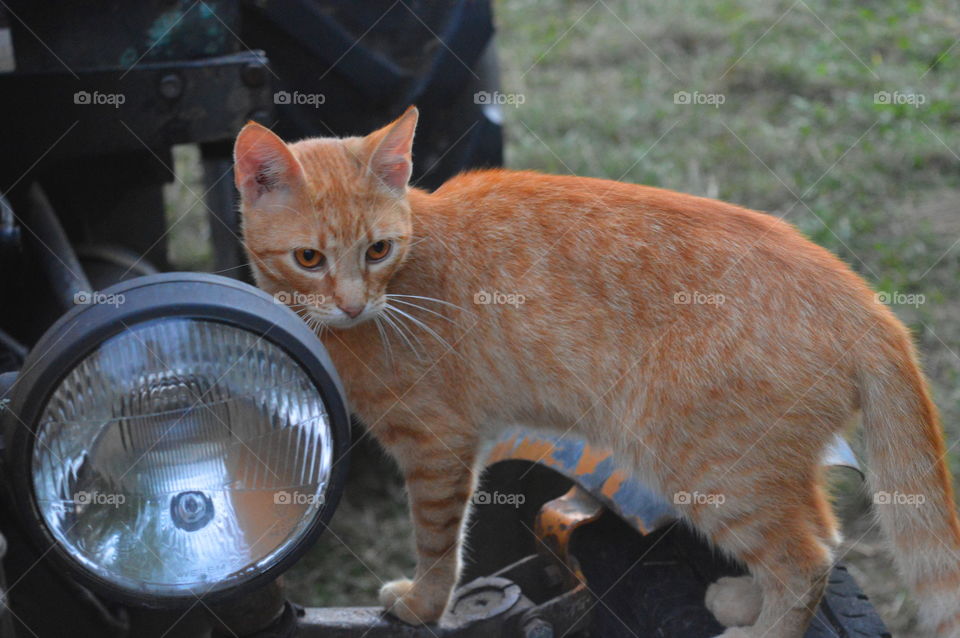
(596, 470)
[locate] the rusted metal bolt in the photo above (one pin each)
(253, 74)
(171, 86)
(537, 628)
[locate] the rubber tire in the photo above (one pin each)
(654, 585)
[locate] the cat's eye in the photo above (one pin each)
(378, 251)
(309, 258)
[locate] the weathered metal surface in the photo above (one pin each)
(592, 468)
(482, 599)
(261, 609)
(154, 105)
(597, 471)
(566, 615)
(489, 607)
(115, 33)
(351, 622)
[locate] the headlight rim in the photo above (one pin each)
(223, 300)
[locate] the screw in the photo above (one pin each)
(171, 86)
(537, 628)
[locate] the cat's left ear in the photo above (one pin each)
(390, 152)
(262, 163)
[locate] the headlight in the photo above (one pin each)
(177, 436)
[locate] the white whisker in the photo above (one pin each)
(386, 344)
(407, 329)
(315, 324)
(395, 324)
(243, 265)
(425, 327)
(452, 305)
(419, 307)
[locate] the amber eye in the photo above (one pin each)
(378, 251)
(309, 258)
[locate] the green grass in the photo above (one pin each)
(799, 135)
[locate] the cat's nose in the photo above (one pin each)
(352, 311)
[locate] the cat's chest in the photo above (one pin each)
(369, 381)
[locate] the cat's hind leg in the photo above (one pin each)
(736, 601)
(787, 551)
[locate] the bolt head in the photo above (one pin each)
(537, 628)
(171, 86)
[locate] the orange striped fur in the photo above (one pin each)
(714, 348)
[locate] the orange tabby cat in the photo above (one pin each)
(715, 349)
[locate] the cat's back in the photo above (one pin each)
(500, 193)
(595, 225)
(586, 208)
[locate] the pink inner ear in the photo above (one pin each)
(268, 174)
(262, 164)
(391, 162)
(394, 171)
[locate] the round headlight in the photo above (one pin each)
(179, 436)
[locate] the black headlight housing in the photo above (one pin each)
(188, 308)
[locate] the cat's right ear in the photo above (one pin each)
(262, 163)
(390, 152)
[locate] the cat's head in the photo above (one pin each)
(326, 221)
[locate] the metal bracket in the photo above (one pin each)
(503, 605)
(558, 520)
(840, 454)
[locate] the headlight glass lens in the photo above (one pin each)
(182, 456)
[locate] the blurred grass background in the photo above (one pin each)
(801, 134)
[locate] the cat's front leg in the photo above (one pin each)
(439, 479)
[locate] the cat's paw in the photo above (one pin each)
(736, 632)
(734, 601)
(402, 599)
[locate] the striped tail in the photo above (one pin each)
(910, 481)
